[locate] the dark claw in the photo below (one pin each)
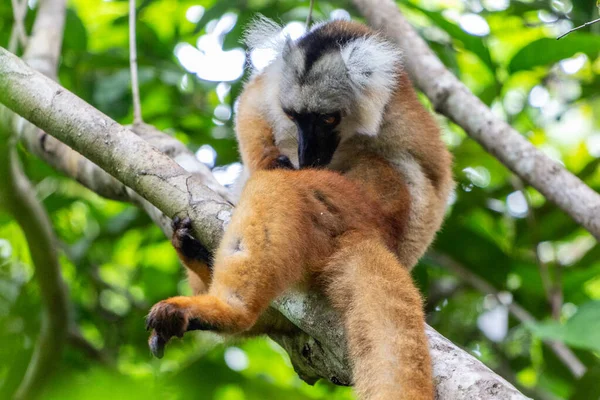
(166, 320)
(175, 223)
(157, 345)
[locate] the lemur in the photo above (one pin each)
(348, 184)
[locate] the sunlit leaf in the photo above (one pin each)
(548, 51)
(581, 330)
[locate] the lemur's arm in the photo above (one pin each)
(254, 133)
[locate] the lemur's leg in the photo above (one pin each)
(383, 317)
(261, 254)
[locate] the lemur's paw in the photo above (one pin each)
(167, 318)
(173, 317)
(182, 238)
(184, 241)
(282, 162)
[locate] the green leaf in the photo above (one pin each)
(587, 387)
(580, 331)
(474, 44)
(548, 51)
(75, 33)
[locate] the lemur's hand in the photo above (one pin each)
(186, 244)
(282, 162)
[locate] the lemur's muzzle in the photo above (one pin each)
(316, 144)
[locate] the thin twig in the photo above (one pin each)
(562, 352)
(556, 293)
(309, 16)
(135, 88)
(76, 339)
(548, 284)
(578, 27)
(18, 34)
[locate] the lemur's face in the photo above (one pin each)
(317, 137)
(315, 94)
(316, 100)
(334, 82)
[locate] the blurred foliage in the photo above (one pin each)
(117, 263)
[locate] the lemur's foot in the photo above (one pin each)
(186, 244)
(168, 318)
(177, 315)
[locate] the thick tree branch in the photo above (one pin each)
(18, 197)
(451, 98)
(119, 151)
(66, 160)
(318, 353)
(43, 50)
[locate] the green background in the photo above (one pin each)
(117, 263)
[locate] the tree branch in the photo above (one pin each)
(320, 352)
(547, 284)
(76, 339)
(18, 197)
(116, 149)
(578, 27)
(20, 200)
(451, 98)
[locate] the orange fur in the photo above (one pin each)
(318, 225)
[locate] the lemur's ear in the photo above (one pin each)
(372, 65)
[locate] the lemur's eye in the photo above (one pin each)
(289, 115)
(329, 119)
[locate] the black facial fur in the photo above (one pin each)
(317, 139)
